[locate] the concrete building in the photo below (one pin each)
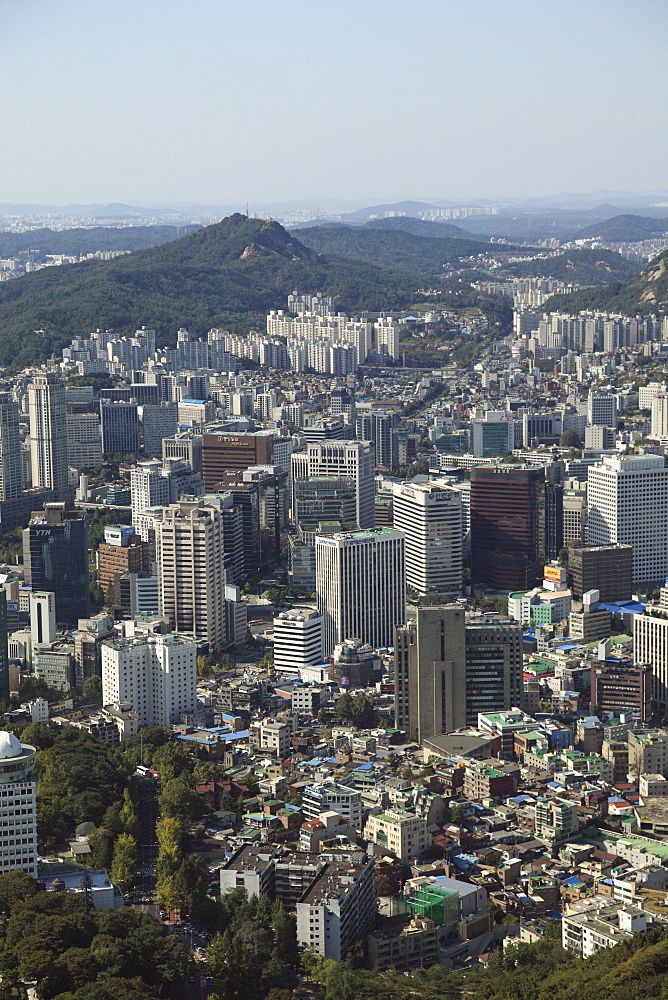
(343, 460)
(42, 617)
(648, 752)
(360, 586)
(650, 645)
(431, 518)
(619, 687)
(400, 832)
(332, 797)
(11, 482)
(84, 444)
(602, 409)
(157, 423)
(18, 831)
(494, 666)
(122, 551)
(430, 672)
(556, 820)
(606, 568)
(574, 516)
(227, 452)
(627, 503)
(55, 559)
(48, 433)
(297, 640)
(119, 425)
(596, 923)
(156, 675)
(190, 557)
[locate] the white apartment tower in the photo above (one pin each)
(627, 503)
(148, 488)
(190, 557)
(347, 460)
(48, 432)
(659, 427)
(156, 675)
(361, 586)
(650, 645)
(430, 517)
(18, 830)
(297, 640)
(602, 409)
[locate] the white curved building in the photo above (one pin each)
(18, 807)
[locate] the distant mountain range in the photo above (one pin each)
(226, 275)
(82, 241)
(647, 292)
(624, 227)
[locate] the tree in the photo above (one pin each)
(180, 801)
(92, 688)
(128, 815)
(571, 439)
(124, 861)
(204, 668)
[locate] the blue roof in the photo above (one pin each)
(572, 880)
(623, 607)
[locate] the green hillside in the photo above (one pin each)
(647, 292)
(624, 227)
(225, 275)
(392, 247)
(81, 241)
(422, 227)
(585, 267)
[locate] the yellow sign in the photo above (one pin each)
(552, 573)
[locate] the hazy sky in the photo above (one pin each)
(223, 101)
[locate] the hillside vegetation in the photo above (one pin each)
(82, 241)
(423, 227)
(624, 227)
(585, 267)
(226, 275)
(647, 292)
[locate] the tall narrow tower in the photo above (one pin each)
(48, 432)
(10, 448)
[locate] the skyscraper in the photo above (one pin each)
(48, 432)
(494, 664)
(360, 585)
(55, 558)
(156, 674)
(508, 526)
(344, 460)
(381, 428)
(430, 672)
(10, 449)
(18, 831)
(119, 421)
(191, 571)
(431, 518)
(627, 502)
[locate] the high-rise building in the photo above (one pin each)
(430, 672)
(650, 645)
(227, 452)
(508, 526)
(574, 516)
(361, 587)
(627, 503)
(492, 438)
(602, 409)
(325, 498)
(343, 460)
(381, 428)
(494, 666)
(122, 551)
(4, 646)
(190, 556)
(156, 675)
(618, 687)
(55, 558)
(554, 519)
(48, 432)
(186, 446)
(18, 831)
(119, 421)
(606, 568)
(84, 444)
(158, 422)
(431, 518)
(10, 449)
(297, 640)
(42, 618)
(659, 426)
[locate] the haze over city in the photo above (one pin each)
(220, 103)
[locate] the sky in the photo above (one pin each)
(224, 102)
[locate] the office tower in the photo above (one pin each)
(627, 502)
(325, 498)
(297, 640)
(186, 446)
(574, 516)
(606, 568)
(84, 444)
(381, 428)
(190, 558)
(4, 646)
(508, 526)
(619, 687)
(494, 666)
(48, 433)
(55, 558)
(223, 453)
(431, 518)
(87, 645)
(119, 421)
(156, 675)
(492, 438)
(360, 585)
(148, 488)
(158, 422)
(650, 645)
(345, 460)
(430, 672)
(10, 449)
(42, 618)
(122, 551)
(554, 519)
(602, 409)
(659, 427)
(137, 594)
(18, 831)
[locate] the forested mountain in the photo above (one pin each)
(647, 292)
(422, 227)
(82, 241)
(585, 267)
(224, 275)
(624, 227)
